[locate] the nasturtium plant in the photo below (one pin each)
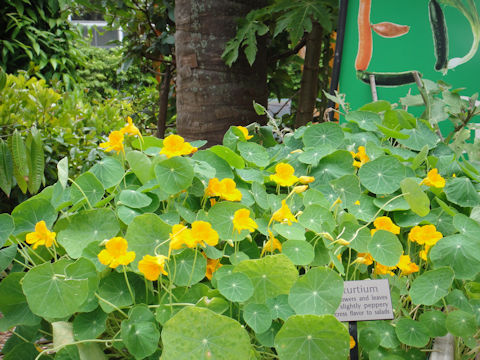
(241, 250)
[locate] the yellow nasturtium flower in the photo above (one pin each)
(225, 189)
(284, 175)
(131, 129)
(243, 221)
(114, 143)
(152, 266)
(244, 131)
(364, 258)
(180, 236)
(385, 223)
(360, 157)
(272, 244)
(306, 179)
(115, 253)
(175, 145)
(41, 236)
(434, 179)
(202, 233)
(283, 214)
(406, 265)
(425, 235)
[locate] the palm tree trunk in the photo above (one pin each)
(309, 82)
(211, 96)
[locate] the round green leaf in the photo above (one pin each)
(221, 217)
(466, 226)
(459, 252)
(333, 166)
(89, 325)
(300, 252)
(386, 203)
(415, 197)
(434, 321)
(222, 167)
(364, 211)
(268, 337)
(271, 276)
(312, 337)
(290, 232)
(174, 174)
(254, 153)
(461, 191)
(317, 292)
(127, 214)
(312, 156)
(134, 199)
(366, 120)
(6, 227)
(258, 317)
(388, 337)
(140, 337)
(86, 227)
(358, 238)
(461, 323)
(412, 333)
(141, 165)
(419, 137)
(279, 307)
(109, 171)
(113, 289)
(369, 339)
(50, 294)
(348, 189)
(13, 303)
(235, 287)
(88, 187)
(28, 213)
(324, 135)
(187, 268)
(317, 218)
(146, 233)
(6, 256)
(382, 175)
(228, 155)
(198, 333)
(385, 248)
(431, 286)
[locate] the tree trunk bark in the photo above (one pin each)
(163, 102)
(211, 96)
(309, 84)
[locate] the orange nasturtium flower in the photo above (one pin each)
(202, 233)
(212, 266)
(244, 131)
(131, 129)
(283, 214)
(225, 189)
(352, 342)
(272, 244)
(284, 175)
(175, 145)
(41, 236)
(426, 234)
(406, 265)
(115, 253)
(383, 270)
(360, 157)
(434, 179)
(385, 223)
(243, 221)
(114, 143)
(152, 266)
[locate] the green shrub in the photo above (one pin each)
(241, 250)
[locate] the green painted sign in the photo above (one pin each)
(433, 37)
